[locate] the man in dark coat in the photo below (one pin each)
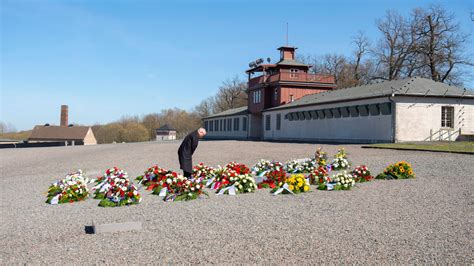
(186, 150)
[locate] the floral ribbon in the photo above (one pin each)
(284, 187)
(163, 192)
(209, 182)
(330, 186)
(231, 190)
(55, 200)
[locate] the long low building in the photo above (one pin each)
(413, 109)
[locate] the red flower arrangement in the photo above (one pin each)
(241, 169)
(176, 187)
(319, 176)
(152, 177)
(362, 174)
(273, 179)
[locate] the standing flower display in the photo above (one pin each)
(152, 177)
(73, 187)
(321, 157)
(340, 161)
(242, 183)
(400, 170)
(319, 176)
(296, 183)
(273, 179)
(362, 174)
(264, 166)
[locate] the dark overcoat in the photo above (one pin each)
(186, 150)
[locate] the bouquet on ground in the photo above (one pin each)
(300, 166)
(400, 170)
(319, 176)
(340, 162)
(344, 181)
(362, 174)
(222, 175)
(175, 187)
(321, 157)
(73, 187)
(152, 177)
(273, 179)
(221, 178)
(295, 184)
(239, 168)
(264, 166)
(240, 183)
(110, 178)
(202, 172)
(121, 192)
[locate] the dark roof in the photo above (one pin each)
(286, 47)
(166, 127)
(235, 111)
(59, 133)
(403, 87)
(287, 62)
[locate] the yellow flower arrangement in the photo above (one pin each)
(400, 170)
(298, 183)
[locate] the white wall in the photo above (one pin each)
(350, 129)
(233, 134)
(416, 116)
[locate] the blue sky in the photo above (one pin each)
(108, 58)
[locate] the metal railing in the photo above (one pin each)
(444, 134)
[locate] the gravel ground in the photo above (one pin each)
(424, 220)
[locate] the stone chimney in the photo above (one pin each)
(64, 115)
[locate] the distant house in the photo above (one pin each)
(165, 133)
(72, 135)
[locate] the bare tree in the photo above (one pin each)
(441, 45)
(231, 94)
(396, 44)
(205, 107)
(362, 46)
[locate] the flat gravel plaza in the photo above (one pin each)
(422, 220)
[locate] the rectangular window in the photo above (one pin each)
(236, 124)
(211, 125)
(216, 125)
(267, 122)
(229, 124)
(278, 123)
(275, 95)
(206, 125)
(294, 73)
(447, 116)
(244, 124)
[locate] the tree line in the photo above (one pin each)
(231, 94)
(427, 43)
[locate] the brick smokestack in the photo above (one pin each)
(64, 115)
